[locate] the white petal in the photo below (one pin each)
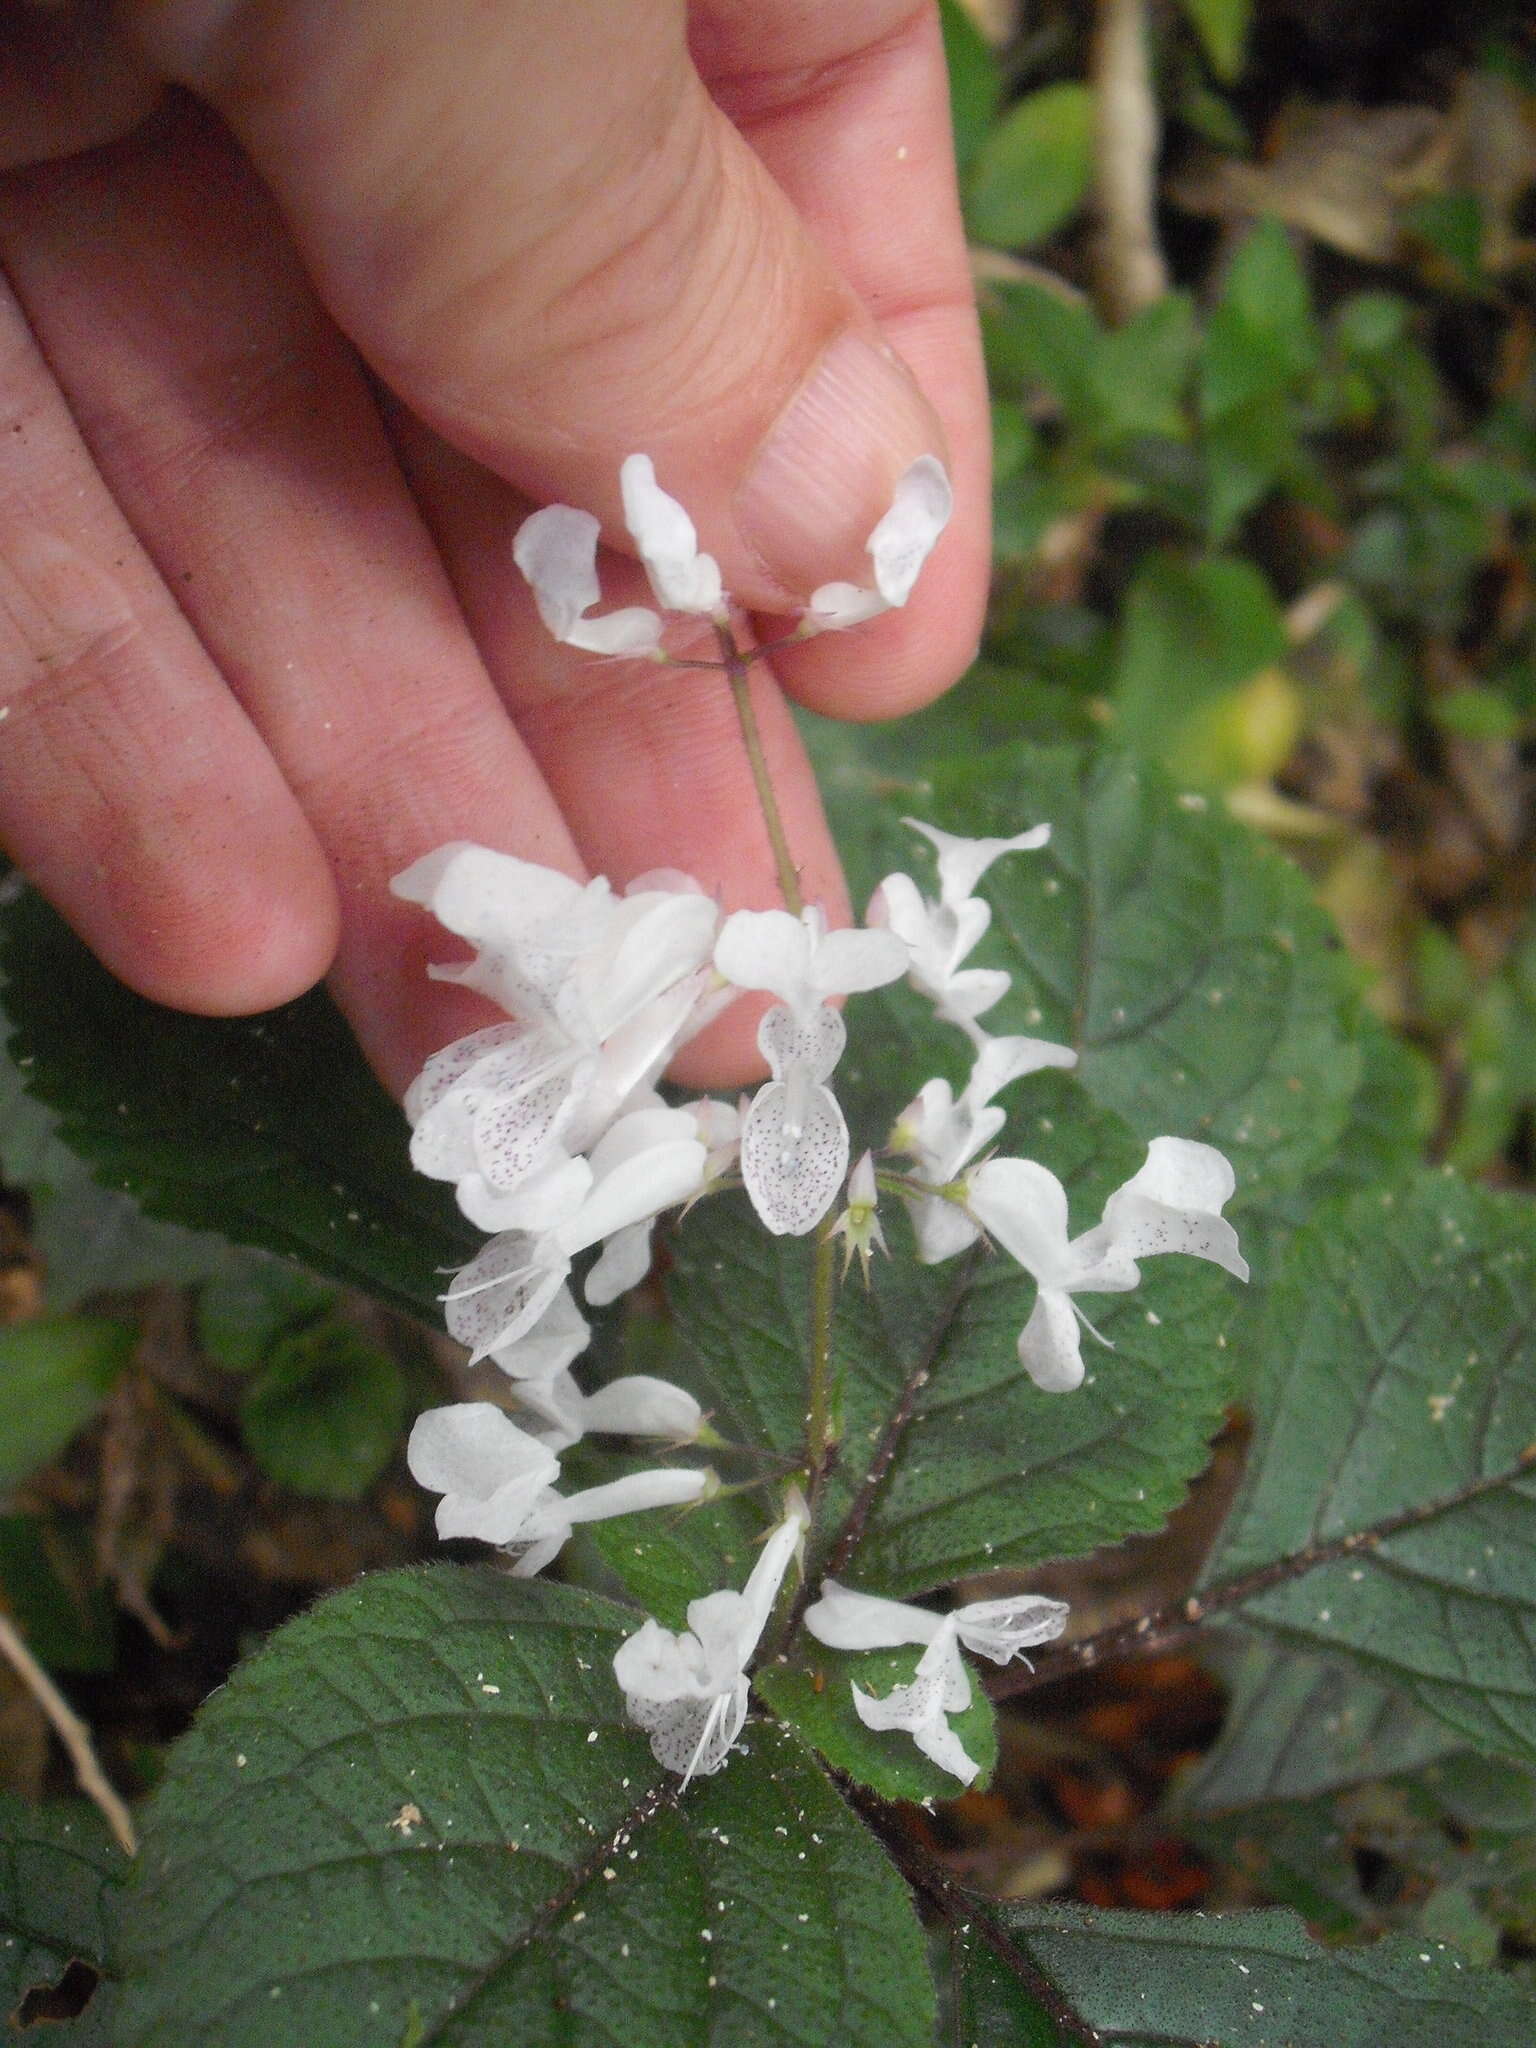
(849, 962)
(488, 1471)
(634, 630)
(625, 1261)
(793, 1156)
(693, 1738)
(661, 1487)
(1050, 1343)
(560, 1335)
(903, 540)
(667, 542)
(767, 949)
(1173, 1205)
(639, 1405)
(548, 1196)
(846, 1619)
(963, 862)
(559, 1406)
(767, 1576)
(836, 606)
(1024, 1206)
(1000, 1629)
(940, 1228)
(486, 897)
(449, 1066)
(503, 1291)
(634, 1188)
(814, 1040)
(1004, 1060)
(657, 1664)
(556, 549)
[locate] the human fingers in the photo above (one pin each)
(133, 790)
(548, 239)
(647, 764)
(848, 108)
(239, 438)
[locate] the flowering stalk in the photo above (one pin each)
(820, 1417)
(738, 670)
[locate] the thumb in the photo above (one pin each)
(547, 239)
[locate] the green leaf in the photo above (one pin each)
(269, 1129)
(1389, 1507)
(51, 1584)
(89, 1237)
(60, 1872)
(54, 1375)
(1036, 336)
(419, 1814)
(1477, 713)
(1193, 633)
(1261, 346)
(1033, 171)
(1222, 26)
(987, 1471)
(325, 1412)
(975, 83)
(1298, 1725)
(1239, 1980)
(1186, 962)
(242, 1313)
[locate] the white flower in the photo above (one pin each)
(794, 1142)
(497, 1484)
(802, 963)
(1171, 1205)
(898, 547)
(561, 1334)
(845, 1619)
(943, 1132)
(636, 1405)
(556, 549)
(688, 1689)
(859, 1224)
(667, 543)
(645, 1163)
(941, 935)
(604, 990)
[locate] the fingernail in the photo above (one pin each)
(826, 470)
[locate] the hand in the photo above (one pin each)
(282, 366)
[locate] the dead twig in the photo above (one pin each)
(1129, 259)
(73, 1733)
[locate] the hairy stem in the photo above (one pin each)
(738, 668)
(820, 1421)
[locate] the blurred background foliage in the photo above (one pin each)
(1259, 294)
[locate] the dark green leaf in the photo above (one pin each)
(1241, 1980)
(269, 1129)
(54, 1375)
(242, 1313)
(990, 1471)
(1186, 963)
(419, 1814)
(1298, 1725)
(51, 1585)
(59, 1877)
(1032, 172)
(89, 1237)
(1389, 1509)
(326, 1411)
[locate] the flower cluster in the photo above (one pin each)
(552, 1130)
